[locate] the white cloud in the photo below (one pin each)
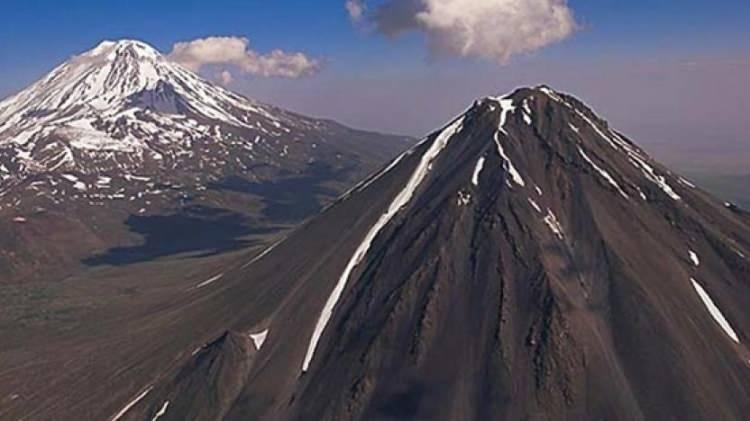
(235, 54)
(356, 9)
(488, 29)
(225, 77)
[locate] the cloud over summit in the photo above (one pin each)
(487, 29)
(235, 54)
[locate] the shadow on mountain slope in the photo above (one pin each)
(195, 229)
(292, 199)
(214, 230)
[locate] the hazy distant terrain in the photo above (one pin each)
(721, 168)
(733, 188)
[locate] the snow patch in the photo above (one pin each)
(259, 339)
(550, 93)
(131, 177)
(506, 107)
(103, 182)
(694, 258)
(400, 201)
(715, 312)
(477, 171)
(464, 198)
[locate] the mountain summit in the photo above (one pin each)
(101, 79)
(102, 88)
(123, 107)
(526, 261)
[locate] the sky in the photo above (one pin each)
(674, 75)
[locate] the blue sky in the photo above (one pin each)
(623, 51)
(36, 34)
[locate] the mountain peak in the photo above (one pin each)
(124, 97)
(531, 127)
(114, 49)
(103, 82)
(522, 92)
(101, 78)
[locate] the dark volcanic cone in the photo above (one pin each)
(525, 262)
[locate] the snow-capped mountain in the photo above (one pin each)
(526, 261)
(116, 122)
(121, 131)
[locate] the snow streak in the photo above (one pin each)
(477, 171)
(554, 224)
(507, 164)
(694, 258)
(506, 107)
(209, 281)
(161, 412)
(401, 200)
(603, 173)
(132, 403)
(715, 312)
(636, 158)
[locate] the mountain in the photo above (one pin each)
(526, 261)
(123, 128)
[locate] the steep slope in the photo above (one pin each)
(525, 262)
(123, 128)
